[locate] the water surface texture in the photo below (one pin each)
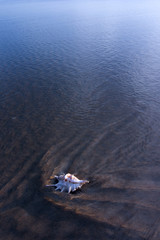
(79, 93)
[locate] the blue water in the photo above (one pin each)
(79, 93)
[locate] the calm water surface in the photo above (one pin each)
(79, 93)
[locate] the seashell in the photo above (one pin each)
(68, 182)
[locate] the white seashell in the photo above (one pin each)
(68, 182)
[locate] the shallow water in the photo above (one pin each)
(79, 93)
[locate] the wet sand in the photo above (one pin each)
(118, 203)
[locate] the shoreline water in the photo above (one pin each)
(79, 93)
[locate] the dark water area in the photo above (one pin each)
(79, 93)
